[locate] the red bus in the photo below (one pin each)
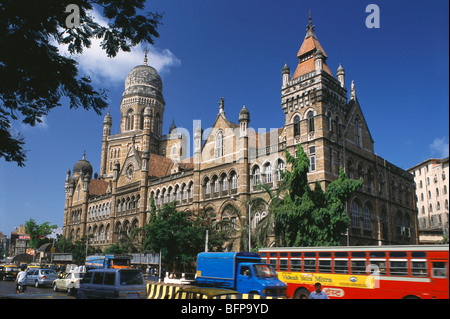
(367, 272)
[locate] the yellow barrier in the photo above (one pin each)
(161, 291)
(164, 291)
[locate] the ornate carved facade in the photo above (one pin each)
(140, 163)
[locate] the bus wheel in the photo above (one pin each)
(411, 297)
(301, 293)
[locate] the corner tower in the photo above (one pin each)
(311, 91)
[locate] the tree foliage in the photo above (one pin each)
(35, 76)
(305, 216)
(180, 235)
(76, 248)
(38, 233)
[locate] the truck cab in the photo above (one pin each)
(259, 279)
(240, 271)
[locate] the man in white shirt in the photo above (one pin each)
(21, 279)
(318, 294)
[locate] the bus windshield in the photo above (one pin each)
(263, 271)
(121, 262)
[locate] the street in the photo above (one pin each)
(9, 287)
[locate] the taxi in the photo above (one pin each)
(10, 272)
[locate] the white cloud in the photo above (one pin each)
(440, 147)
(43, 125)
(113, 71)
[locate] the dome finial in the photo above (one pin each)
(84, 155)
(145, 55)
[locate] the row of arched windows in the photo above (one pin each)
(128, 203)
(99, 211)
(129, 121)
(268, 174)
(310, 123)
(180, 193)
(220, 185)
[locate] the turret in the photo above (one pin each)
(340, 74)
(286, 72)
(244, 119)
(319, 59)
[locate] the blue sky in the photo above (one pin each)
(236, 49)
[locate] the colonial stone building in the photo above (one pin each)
(140, 162)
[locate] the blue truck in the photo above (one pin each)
(240, 271)
(108, 261)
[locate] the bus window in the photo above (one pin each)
(378, 265)
(283, 265)
(340, 266)
(439, 269)
(397, 254)
(296, 265)
(419, 268)
(273, 262)
(309, 265)
(418, 254)
(398, 268)
(358, 267)
(325, 265)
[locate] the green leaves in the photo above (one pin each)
(34, 76)
(38, 233)
(309, 217)
(180, 235)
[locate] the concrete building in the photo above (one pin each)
(431, 178)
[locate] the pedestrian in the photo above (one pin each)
(21, 280)
(318, 294)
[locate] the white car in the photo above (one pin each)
(68, 282)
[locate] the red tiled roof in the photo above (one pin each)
(159, 166)
(97, 187)
(309, 46)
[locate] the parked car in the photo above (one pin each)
(206, 293)
(9, 272)
(41, 277)
(113, 284)
(68, 282)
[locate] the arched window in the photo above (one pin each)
(367, 218)
(310, 121)
(280, 168)
(330, 121)
(358, 140)
(234, 180)
(256, 175)
(219, 144)
(296, 125)
(268, 173)
(129, 119)
(355, 215)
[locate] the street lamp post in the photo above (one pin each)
(249, 224)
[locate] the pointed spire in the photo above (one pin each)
(353, 91)
(221, 105)
(310, 28)
(84, 155)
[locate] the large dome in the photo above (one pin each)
(83, 166)
(143, 80)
